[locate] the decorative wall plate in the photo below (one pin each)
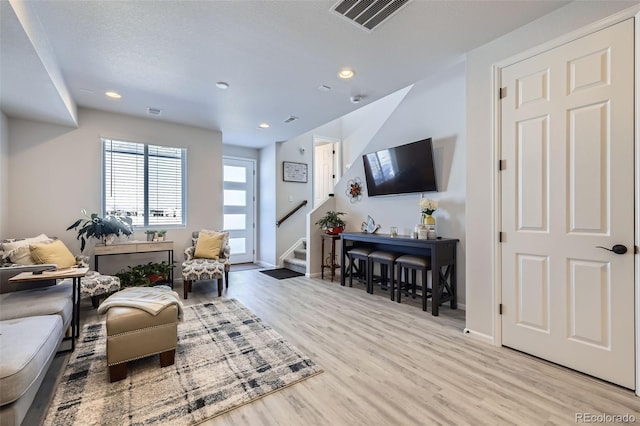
(354, 190)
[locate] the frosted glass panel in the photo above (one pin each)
(235, 221)
(235, 197)
(238, 245)
(235, 174)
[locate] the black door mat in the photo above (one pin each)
(281, 273)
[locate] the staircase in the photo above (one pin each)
(298, 262)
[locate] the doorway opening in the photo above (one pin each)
(326, 167)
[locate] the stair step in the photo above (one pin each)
(300, 254)
(298, 262)
(297, 265)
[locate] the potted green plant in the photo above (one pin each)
(160, 234)
(151, 234)
(332, 223)
(145, 275)
(102, 228)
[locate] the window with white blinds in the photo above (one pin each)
(145, 182)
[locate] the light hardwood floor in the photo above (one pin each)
(393, 364)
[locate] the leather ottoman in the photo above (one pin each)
(133, 333)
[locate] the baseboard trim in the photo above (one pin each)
(478, 336)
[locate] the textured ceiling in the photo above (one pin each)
(273, 54)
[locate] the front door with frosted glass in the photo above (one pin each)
(238, 210)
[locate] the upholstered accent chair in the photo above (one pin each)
(215, 267)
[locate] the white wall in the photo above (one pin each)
(481, 305)
(290, 194)
(266, 253)
(56, 173)
(432, 108)
(4, 176)
(240, 151)
(356, 136)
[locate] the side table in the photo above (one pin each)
(75, 274)
(331, 264)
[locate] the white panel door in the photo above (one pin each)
(239, 206)
(567, 188)
(323, 175)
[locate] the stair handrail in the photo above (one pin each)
(288, 215)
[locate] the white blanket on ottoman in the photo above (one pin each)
(149, 299)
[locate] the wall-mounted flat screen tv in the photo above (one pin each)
(401, 169)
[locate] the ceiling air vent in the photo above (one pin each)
(154, 111)
(291, 118)
(368, 14)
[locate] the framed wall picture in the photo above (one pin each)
(294, 172)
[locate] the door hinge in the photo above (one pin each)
(500, 236)
(502, 165)
(635, 249)
(333, 176)
(502, 92)
(500, 308)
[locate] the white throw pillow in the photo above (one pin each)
(19, 252)
(21, 256)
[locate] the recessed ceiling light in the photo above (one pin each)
(222, 85)
(114, 95)
(264, 125)
(346, 73)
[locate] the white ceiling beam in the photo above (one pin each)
(35, 88)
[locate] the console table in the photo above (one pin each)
(75, 274)
(136, 247)
(441, 251)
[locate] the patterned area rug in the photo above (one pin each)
(226, 357)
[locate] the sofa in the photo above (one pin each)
(34, 319)
(93, 285)
(33, 323)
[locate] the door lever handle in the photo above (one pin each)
(617, 249)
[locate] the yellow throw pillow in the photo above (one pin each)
(55, 252)
(209, 245)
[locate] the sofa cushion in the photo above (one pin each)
(21, 256)
(18, 251)
(55, 252)
(51, 300)
(27, 346)
(8, 245)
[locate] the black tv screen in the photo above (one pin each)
(401, 169)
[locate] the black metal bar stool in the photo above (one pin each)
(361, 254)
(387, 261)
(413, 264)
